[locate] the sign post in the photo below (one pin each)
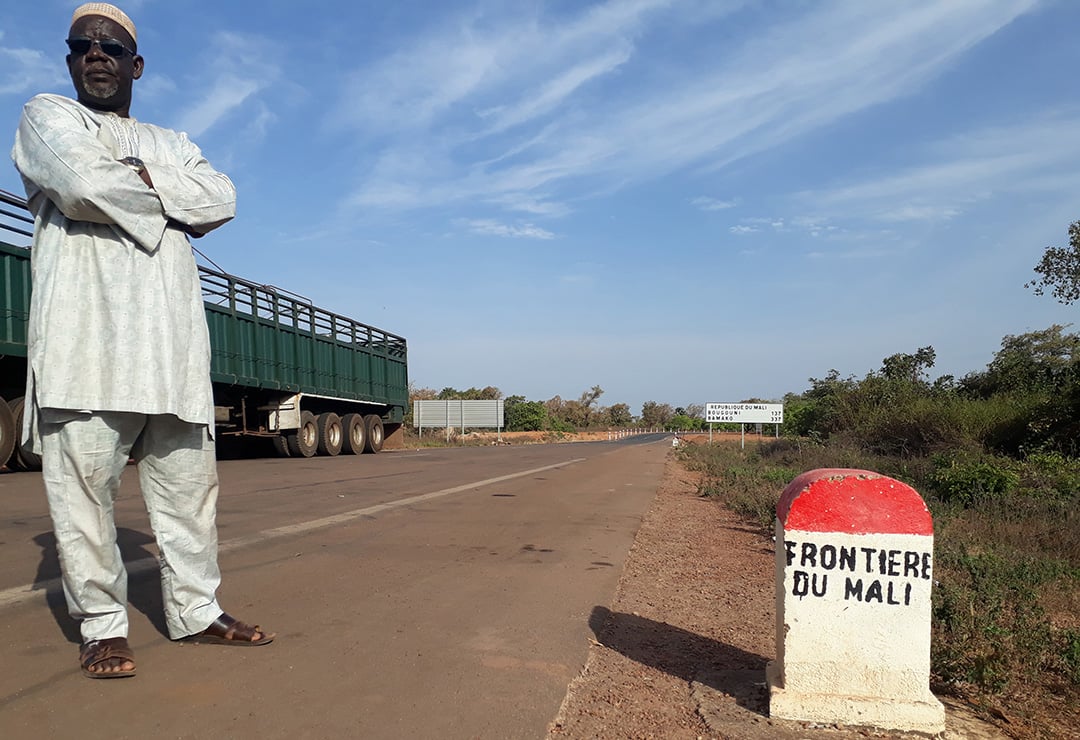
(461, 413)
(744, 413)
(854, 568)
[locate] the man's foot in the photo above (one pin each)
(226, 630)
(108, 658)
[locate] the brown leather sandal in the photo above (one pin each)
(96, 652)
(226, 630)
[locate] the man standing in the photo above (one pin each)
(119, 352)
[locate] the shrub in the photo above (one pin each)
(560, 426)
(1070, 653)
(912, 426)
(1052, 474)
(967, 482)
(989, 627)
(738, 479)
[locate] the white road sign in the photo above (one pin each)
(744, 413)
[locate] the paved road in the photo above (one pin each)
(431, 593)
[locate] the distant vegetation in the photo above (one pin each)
(559, 415)
(996, 454)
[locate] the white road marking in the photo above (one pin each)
(19, 594)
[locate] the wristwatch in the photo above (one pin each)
(137, 166)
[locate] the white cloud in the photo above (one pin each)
(244, 56)
(712, 204)
(28, 71)
(226, 94)
(256, 130)
(501, 106)
(538, 205)
(912, 212)
(742, 229)
(489, 227)
(154, 87)
(580, 280)
(509, 69)
(553, 92)
(955, 174)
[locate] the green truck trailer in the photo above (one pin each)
(310, 381)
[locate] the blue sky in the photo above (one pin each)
(678, 200)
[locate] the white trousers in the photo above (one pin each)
(83, 456)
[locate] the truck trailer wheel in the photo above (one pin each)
(373, 425)
(7, 432)
(281, 446)
(355, 434)
(22, 458)
(304, 441)
(329, 429)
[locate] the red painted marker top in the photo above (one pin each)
(852, 502)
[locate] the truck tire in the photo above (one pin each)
(7, 432)
(22, 458)
(304, 441)
(373, 427)
(30, 460)
(354, 437)
(281, 445)
(329, 428)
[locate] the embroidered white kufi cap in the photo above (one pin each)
(106, 10)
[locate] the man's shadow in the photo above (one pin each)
(144, 585)
(685, 655)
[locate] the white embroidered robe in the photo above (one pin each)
(116, 316)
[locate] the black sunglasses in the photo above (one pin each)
(81, 45)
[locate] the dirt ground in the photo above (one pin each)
(682, 651)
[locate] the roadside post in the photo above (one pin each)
(854, 568)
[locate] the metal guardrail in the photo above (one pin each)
(284, 308)
(13, 221)
(237, 295)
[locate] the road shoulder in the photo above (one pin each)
(681, 652)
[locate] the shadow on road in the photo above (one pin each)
(683, 654)
(144, 589)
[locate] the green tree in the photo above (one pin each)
(490, 393)
(559, 413)
(1036, 361)
(421, 394)
(508, 408)
(588, 398)
(574, 414)
(912, 368)
(1059, 269)
(821, 409)
(655, 414)
(1038, 375)
(830, 386)
(619, 415)
(524, 416)
(554, 406)
(683, 422)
